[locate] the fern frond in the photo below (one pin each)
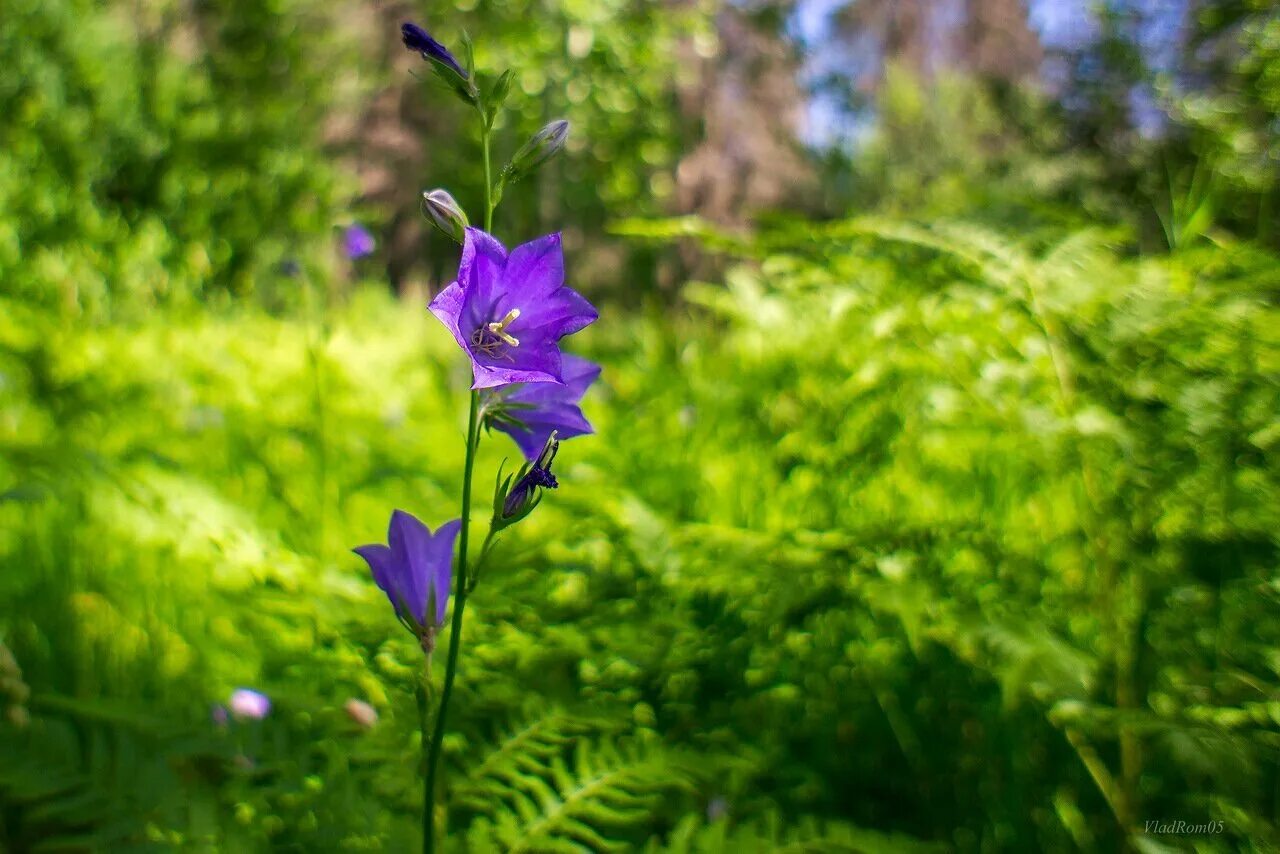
(542, 792)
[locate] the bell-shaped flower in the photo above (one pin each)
(508, 312)
(531, 412)
(415, 570)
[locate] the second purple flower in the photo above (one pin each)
(531, 412)
(415, 570)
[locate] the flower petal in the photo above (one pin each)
(566, 419)
(534, 271)
(382, 565)
(560, 313)
(577, 373)
(480, 272)
(447, 307)
(410, 540)
(441, 558)
(535, 362)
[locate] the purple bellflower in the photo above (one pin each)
(415, 570)
(420, 41)
(509, 311)
(531, 412)
(358, 242)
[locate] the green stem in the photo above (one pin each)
(455, 633)
(488, 182)
(484, 553)
(423, 694)
(461, 587)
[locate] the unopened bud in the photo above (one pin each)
(513, 502)
(540, 148)
(445, 213)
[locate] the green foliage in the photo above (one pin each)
(542, 790)
(151, 156)
(896, 536)
(771, 833)
(907, 529)
(953, 147)
(1230, 117)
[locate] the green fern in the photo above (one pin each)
(544, 789)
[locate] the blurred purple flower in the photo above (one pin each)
(531, 412)
(419, 40)
(218, 714)
(415, 571)
(246, 703)
(358, 242)
(508, 312)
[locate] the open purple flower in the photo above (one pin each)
(419, 40)
(508, 312)
(531, 412)
(358, 242)
(415, 571)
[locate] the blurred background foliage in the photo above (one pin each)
(934, 499)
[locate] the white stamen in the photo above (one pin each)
(498, 328)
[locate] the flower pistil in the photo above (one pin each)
(497, 334)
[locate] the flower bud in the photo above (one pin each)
(418, 40)
(445, 213)
(540, 148)
(512, 503)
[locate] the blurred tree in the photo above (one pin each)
(990, 38)
(745, 110)
(1226, 96)
(997, 42)
(159, 152)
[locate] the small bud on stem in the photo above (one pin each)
(445, 213)
(540, 148)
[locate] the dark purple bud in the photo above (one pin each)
(419, 40)
(523, 497)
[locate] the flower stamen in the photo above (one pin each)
(498, 328)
